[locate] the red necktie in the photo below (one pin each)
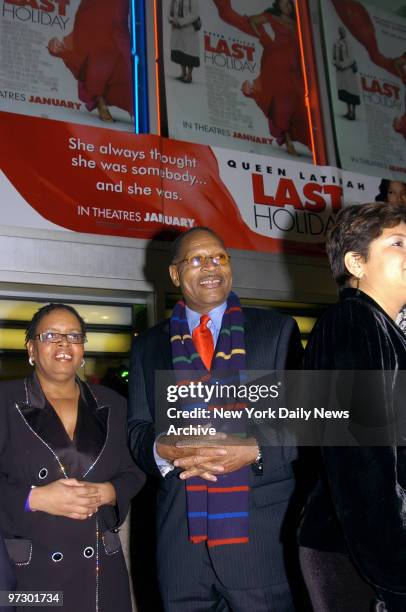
(203, 341)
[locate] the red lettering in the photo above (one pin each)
(250, 53)
(47, 6)
(258, 191)
(391, 91)
(237, 50)
(336, 194)
(286, 193)
(315, 202)
(31, 3)
(207, 44)
(373, 87)
(221, 47)
(385, 89)
(62, 4)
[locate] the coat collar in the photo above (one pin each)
(35, 397)
(349, 293)
(91, 428)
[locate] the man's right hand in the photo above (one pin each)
(206, 464)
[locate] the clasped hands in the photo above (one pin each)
(72, 498)
(174, 22)
(206, 456)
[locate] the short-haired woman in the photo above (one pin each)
(353, 535)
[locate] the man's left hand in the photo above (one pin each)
(240, 452)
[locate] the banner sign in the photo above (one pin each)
(67, 176)
(367, 72)
(68, 60)
(233, 76)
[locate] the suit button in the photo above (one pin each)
(56, 557)
(88, 552)
(43, 473)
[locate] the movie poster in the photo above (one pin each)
(233, 76)
(98, 181)
(68, 60)
(366, 61)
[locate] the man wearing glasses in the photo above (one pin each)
(221, 504)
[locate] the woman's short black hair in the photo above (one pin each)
(355, 228)
(383, 191)
(275, 9)
(42, 312)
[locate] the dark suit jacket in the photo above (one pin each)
(34, 448)
(272, 342)
(359, 503)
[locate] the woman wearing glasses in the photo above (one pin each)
(66, 476)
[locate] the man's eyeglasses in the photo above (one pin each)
(197, 261)
(54, 337)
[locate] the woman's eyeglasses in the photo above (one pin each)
(197, 261)
(53, 337)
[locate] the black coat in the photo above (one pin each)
(272, 342)
(359, 504)
(52, 552)
(7, 577)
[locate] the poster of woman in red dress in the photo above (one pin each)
(377, 38)
(98, 54)
(278, 90)
(357, 19)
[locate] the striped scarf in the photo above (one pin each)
(217, 511)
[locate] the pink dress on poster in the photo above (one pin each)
(98, 53)
(278, 90)
(358, 21)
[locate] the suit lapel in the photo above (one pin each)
(38, 414)
(249, 339)
(91, 428)
(165, 346)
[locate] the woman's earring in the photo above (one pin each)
(82, 363)
(31, 360)
(358, 280)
